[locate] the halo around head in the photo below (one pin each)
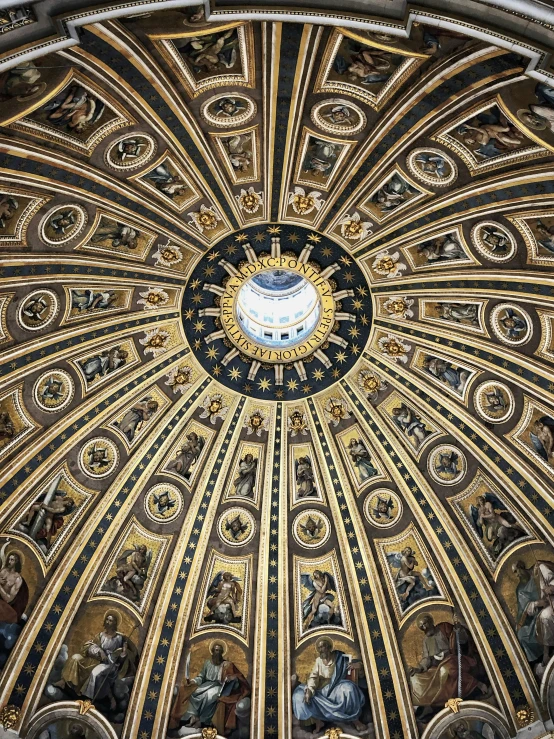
(325, 639)
(115, 614)
(221, 643)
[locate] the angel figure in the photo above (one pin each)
(236, 527)
(167, 183)
(319, 605)
(239, 150)
(547, 235)
(98, 459)
(187, 455)
(46, 516)
(312, 528)
(35, 307)
(542, 437)
(75, 109)
(492, 133)
(383, 508)
(62, 221)
(495, 401)
(245, 483)
(212, 51)
(514, 326)
(392, 193)
(447, 463)
(494, 523)
(410, 424)
(361, 459)
(497, 240)
(224, 599)
(164, 502)
(305, 478)
(132, 567)
(442, 249)
(411, 585)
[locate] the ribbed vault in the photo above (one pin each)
(345, 528)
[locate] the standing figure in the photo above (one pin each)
(245, 483)
(407, 577)
(187, 455)
(410, 423)
(527, 595)
(361, 459)
(135, 418)
(14, 591)
(305, 478)
(132, 567)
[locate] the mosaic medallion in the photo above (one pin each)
(336, 115)
(54, 390)
(446, 464)
(98, 457)
(494, 241)
(62, 224)
(131, 152)
(311, 529)
(38, 310)
(228, 111)
(432, 166)
(324, 330)
(494, 402)
(236, 527)
(163, 503)
(511, 324)
(382, 508)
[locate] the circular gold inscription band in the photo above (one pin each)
(247, 345)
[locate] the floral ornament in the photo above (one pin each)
(154, 297)
(394, 348)
(214, 408)
(168, 255)
(304, 204)
(156, 341)
(387, 264)
(256, 423)
(206, 219)
(399, 307)
(180, 379)
(353, 228)
(336, 410)
(250, 200)
(371, 383)
(297, 423)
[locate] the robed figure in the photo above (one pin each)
(329, 694)
(108, 656)
(211, 698)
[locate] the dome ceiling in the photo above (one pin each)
(349, 534)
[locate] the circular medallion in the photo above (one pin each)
(163, 503)
(494, 241)
(317, 322)
(311, 529)
(494, 402)
(432, 166)
(98, 457)
(130, 152)
(236, 527)
(53, 390)
(62, 224)
(382, 508)
(228, 111)
(446, 464)
(511, 324)
(338, 116)
(38, 310)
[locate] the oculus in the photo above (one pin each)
(287, 331)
